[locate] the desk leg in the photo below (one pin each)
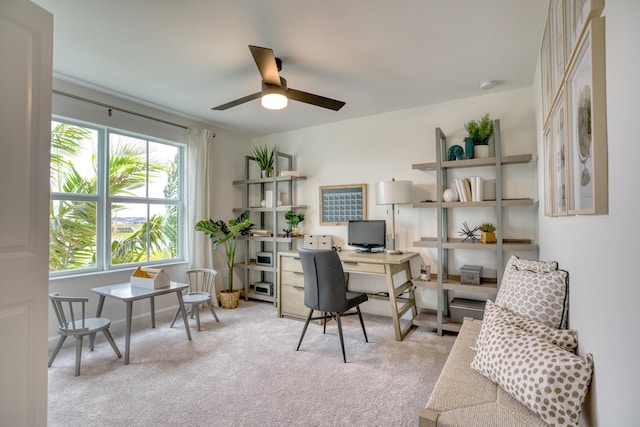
(184, 314)
(127, 334)
(153, 312)
(92, 337)
(408, 303)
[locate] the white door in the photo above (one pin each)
(26, 51)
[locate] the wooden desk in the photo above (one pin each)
(291, 283)
(127, 293)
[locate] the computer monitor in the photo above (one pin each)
(367, 235)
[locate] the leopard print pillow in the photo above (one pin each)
(564, 338)
(550, 381)
(542, 296)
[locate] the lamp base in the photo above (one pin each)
(393, 251)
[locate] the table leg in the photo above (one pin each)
(184, 314)
(153, 312)
(127, 336)
(92, 337)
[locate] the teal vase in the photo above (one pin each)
(468, 148)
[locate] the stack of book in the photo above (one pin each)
(469, 189)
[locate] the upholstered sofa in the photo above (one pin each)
(518, 366)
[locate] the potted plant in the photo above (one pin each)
(488, 233)
(220, 233)
(293, 219)
(478, 135)
(264, 158)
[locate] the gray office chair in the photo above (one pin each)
(70, 312)
(325, 290)
(201, 281)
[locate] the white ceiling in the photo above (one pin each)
(187, 56)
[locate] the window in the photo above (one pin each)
(116, 199)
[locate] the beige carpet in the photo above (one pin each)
(244, 371)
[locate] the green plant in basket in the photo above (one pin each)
(221, 233)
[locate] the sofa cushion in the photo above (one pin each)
(539, 295)
(550, 381)
(563, 338)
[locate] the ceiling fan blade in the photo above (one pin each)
(238, 101)
(266, 62)
(309, 98)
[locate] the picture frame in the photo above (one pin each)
(577, 13)
(587, 123)
(548, 168)
(557, 45)
(545, 73)
(559, 162)
(342, 203)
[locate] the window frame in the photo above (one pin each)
(104, 200)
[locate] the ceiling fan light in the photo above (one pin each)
(274, 101)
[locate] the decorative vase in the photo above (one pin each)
(267, 173)
(468, 148)
(481, 151)
(229, 299)
(450, 195)
(295, 231)
(488, 236)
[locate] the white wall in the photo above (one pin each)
(598, 250)
(227, 156)
(381, 147)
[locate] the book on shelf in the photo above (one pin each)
(470, 189)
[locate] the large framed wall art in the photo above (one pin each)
(572, 58)
(587, 123)
(342, 203)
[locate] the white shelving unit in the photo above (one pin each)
(443, 243)
(269, 218)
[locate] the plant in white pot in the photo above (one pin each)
(264, 158)
(294, 219)
(478, 135)
(221, 233)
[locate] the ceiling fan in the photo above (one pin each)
(275, 92)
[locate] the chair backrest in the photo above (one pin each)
(70, 312)
(325, 288)
(201, 279)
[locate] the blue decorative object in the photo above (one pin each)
(468, 148)
(455, 152)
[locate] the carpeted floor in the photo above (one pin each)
(244, 371)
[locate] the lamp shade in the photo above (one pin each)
(393, 192)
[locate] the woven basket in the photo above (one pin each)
(229, 300)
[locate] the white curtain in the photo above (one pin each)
(199, 182)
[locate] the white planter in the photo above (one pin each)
(481, 151)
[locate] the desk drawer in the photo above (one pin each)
(293, 278)
(362, 267)
(290, 264)
(292, 300)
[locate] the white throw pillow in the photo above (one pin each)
(564, 338)
(542, 296)
(550, 381)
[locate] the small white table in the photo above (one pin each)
(127, 293)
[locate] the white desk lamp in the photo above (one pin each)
(393, 193)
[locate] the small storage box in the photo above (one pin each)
(150, 278)
(470, 274)
(460, 308)
(317, 241)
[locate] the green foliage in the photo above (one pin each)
(73, 223)
(221, 233)
(480, 131)
(293, 219)
(487, 227)
(264, 157)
